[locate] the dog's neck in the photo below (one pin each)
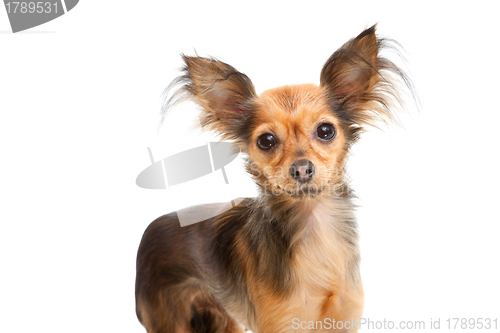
(297, 217)
(293, 222)
(311, 232)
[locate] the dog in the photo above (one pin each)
(290, 256)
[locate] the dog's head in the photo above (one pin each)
(296, 137)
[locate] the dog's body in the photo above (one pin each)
(289, 256)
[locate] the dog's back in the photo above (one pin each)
(181, 271)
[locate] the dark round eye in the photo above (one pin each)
(325, 132)
(266, 141)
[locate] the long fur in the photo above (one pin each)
(292, 252)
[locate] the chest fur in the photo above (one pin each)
(321, 258)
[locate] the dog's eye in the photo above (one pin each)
(266, 141)
(325, 131)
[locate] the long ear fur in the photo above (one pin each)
(224, 94)
(362, 85)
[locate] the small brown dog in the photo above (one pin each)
(289, 256)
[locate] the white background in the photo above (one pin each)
(79, 103)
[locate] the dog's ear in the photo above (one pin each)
(356, 82)
(224, 94)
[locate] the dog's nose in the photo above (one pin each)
(302, 171)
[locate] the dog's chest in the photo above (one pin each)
(320, 261)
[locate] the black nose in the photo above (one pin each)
(302, 171)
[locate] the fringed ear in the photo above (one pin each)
(360, 84)
(224, 94)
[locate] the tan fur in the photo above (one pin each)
(325, 286)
